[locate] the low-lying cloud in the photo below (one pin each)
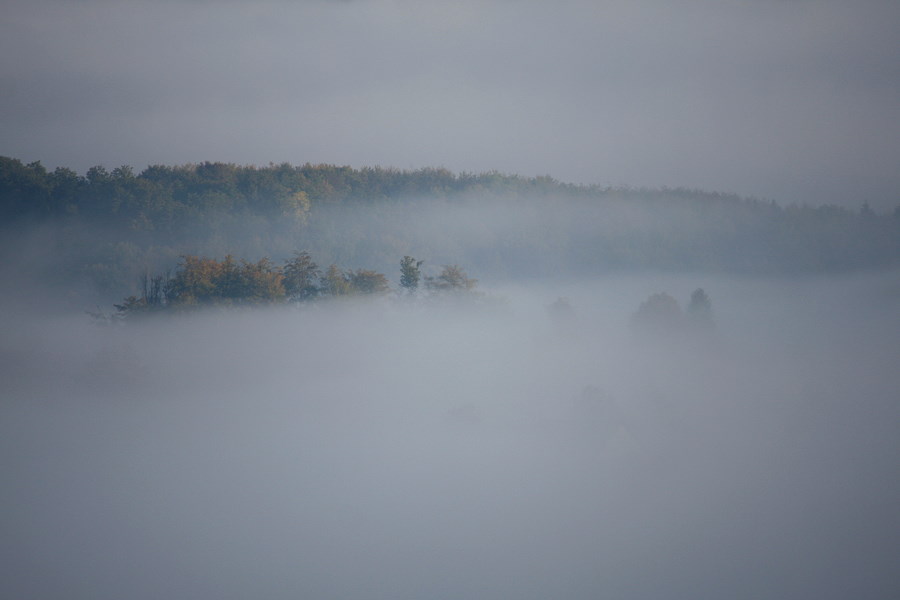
(395, 449)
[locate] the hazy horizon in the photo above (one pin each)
(791, 101)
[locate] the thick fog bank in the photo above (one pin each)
(505, 229)
(416, 450)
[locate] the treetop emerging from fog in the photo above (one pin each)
(203, 282)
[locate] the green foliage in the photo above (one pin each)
(202, 281)
(336, 282)
(206, 281)
(301, 275)
(364, 281)
(26, 191)
(410, 273)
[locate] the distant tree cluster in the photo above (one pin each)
(201, 281)
(661, 315)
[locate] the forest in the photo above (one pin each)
(100, 234)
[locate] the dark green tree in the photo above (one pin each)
(410, 273)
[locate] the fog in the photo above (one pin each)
(534, 440)
(796, 101)
(404, 448)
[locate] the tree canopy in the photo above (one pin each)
(202, 282)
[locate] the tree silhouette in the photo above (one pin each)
(410, 273)
(301, 275)
(699, 311)
(451, 279)
(659, 314)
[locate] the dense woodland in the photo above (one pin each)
(106, 230)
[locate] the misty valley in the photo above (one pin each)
(322, 382)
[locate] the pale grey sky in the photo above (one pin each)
(797, 101)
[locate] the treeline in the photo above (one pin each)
(161, 198)
(108, 227)
(202, 282)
